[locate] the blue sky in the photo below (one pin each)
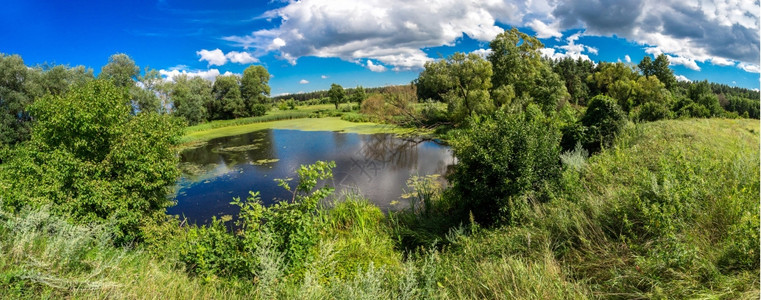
(310, 44)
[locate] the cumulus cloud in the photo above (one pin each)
(628, 58)
(395, 32)
(375, 68)
(241, 57)
(570, 49)
(482, 52)
(324, 76)
(682, 78)
(544, 31)
(303, 81)
(718, 32)
(215, 57)
(172, 73)
(752, 68)
(391, 32)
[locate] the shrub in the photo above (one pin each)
(95, 165)
(501, 159)
(259, 109)
(603, 120)
(653, 111)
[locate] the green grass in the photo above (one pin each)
(306, 124)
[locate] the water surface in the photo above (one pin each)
(378, 165)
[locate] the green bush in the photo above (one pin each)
(505, 160)
(259, 109)
(653, 111)
(603, 120)
(95, 165)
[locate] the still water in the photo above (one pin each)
(378, 165)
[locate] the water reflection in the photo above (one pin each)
(377, 165)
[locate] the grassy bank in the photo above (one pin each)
(669, 211)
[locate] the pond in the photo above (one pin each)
(377, 165)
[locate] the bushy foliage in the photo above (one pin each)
(653, 111)
(603, 120)
(258, 110)
(99, 165)
(505, 160)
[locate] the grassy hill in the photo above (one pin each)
(671, 210)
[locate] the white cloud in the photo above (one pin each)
(215, 57)
(544, 31)
(241, 57)
(628, 58)
(482, 52)
(391, 32)
(324, 76)
(173, 72)
(394, 32)
(375, 68)
(303, 81)
(751, 68)
(570, 49)
(682, 78)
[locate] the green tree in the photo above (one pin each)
(434, 81)
(358, 95)
(658, 68)
(95, 165)
(517, 62)
(336, 94)
(254, 86)
(146, 94)
(121, 69)
(189, 98)
(17, 93)
(227, 103)
(470, 76)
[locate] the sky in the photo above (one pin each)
(307, 45)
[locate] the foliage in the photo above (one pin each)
(358, 95)
(120, 69)
(336, 94)
(504, 162)
(519, 69)
(98, 164)
(190, 97)
(603, 120)
(227, 102)
(16, 95)
(653, 111)
(658, 68)
(254, 86)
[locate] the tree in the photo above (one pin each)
(470, 76)
(517, 62)
(145, 95)
(254, 86)
(96, 165)
(228, 103)
(17, 93)
(336, 94)
(189, 98)
(658, 68)
(358, 95)
(121, 69)
(434, 81)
